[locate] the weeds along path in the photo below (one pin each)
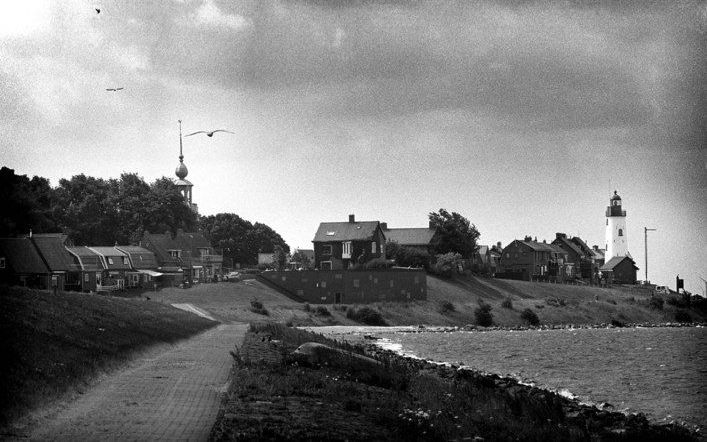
(172, 396)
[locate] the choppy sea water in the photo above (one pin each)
(660, 371)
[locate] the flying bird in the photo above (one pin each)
(98, 11)
(208, 134)
(115, 89)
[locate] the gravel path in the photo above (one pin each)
(171, 396)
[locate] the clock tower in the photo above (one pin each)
(616, 239)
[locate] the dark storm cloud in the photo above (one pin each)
(538, 65)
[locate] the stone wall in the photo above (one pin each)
(351, 286)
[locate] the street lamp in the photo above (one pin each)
(645, 245)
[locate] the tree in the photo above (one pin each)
(302, 259)
(406, 256)
(454, 232)
(26, 204)
(240, 240)
(279, 257)
(446, 264)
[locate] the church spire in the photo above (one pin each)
(181, 171)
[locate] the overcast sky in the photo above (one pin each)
(522, 116)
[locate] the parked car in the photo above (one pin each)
(232, 276)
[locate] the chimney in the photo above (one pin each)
(527, 238)
(544, 242)
(596, 248)
(384, 226)
(498, 244)
(352, 218)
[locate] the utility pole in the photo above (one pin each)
(645, 246)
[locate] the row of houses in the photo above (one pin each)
(342, 245)
(50, 261)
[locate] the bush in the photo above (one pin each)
(365, 315)
(378, 263)
(530, 317)
(617, 323)
(483, 315)
(307, 307)
(682, 316)
(322, 311)
(446, 264)
(656, 302)
(257, 307)
(507, 303)
(446, 307)
(556, 302)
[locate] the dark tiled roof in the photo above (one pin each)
(568, 244)
(187, 242)
(410, 236)
(112, 252)
(21, 256)
(542, 247)
(89, 260)
(345, 231)
(582, 245)
(54, 252)
(140, 257)
(616, 260)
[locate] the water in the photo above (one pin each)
(657, 371)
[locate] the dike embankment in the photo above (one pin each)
(280, 396)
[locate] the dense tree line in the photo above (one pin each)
(239, 239)
(100, 212)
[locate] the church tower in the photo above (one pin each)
(616, 239)
(182, 183)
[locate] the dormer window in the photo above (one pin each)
(175, 253)
(110, 261)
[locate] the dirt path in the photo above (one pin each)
(171, 396)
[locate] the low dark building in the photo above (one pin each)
(21, 264)
(619, 270)
(342, 245)
(91, 267)
(531, 260)
(189, 253)
(66, 274)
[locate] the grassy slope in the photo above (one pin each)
(583, 305)
(52, 345)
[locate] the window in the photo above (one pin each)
(125, 260)
(85, 277)
(607, 221)
(323, 285)
(110, 260)
(621, 232)
(373, 247)
(508, 255)
(392, 283)
(2, 263)
(326, 250)
(325, 265)
(175, 253)
(356, 283)
(346, 249)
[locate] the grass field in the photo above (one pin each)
(53, 346)
(449, 303)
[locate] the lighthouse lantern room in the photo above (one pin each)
(616, 238)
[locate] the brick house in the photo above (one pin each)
(341, 245)
(66, 274)
(619, 270)
(21, 264)
(422, 238)
(143, 264)
(116, 267)
(187, 253)
(91, 267)
(529, 260)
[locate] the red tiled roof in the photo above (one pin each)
(346, 231)
(21, 256)
(410, 236)
(54, 252)
(89, 261)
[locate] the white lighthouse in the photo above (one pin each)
(616, 239)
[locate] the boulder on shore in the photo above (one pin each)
(314, 354)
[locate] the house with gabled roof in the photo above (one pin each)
(66, 274)
(187, 253)
(91, 267)
(21, 264)
(619, 270)
(143, 266)
(577, 259)
(342, 245)
(422, 238)
(116, 267)
(529, 260)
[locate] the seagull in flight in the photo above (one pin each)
(98, 11)
(208, 134)
(116, 89)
